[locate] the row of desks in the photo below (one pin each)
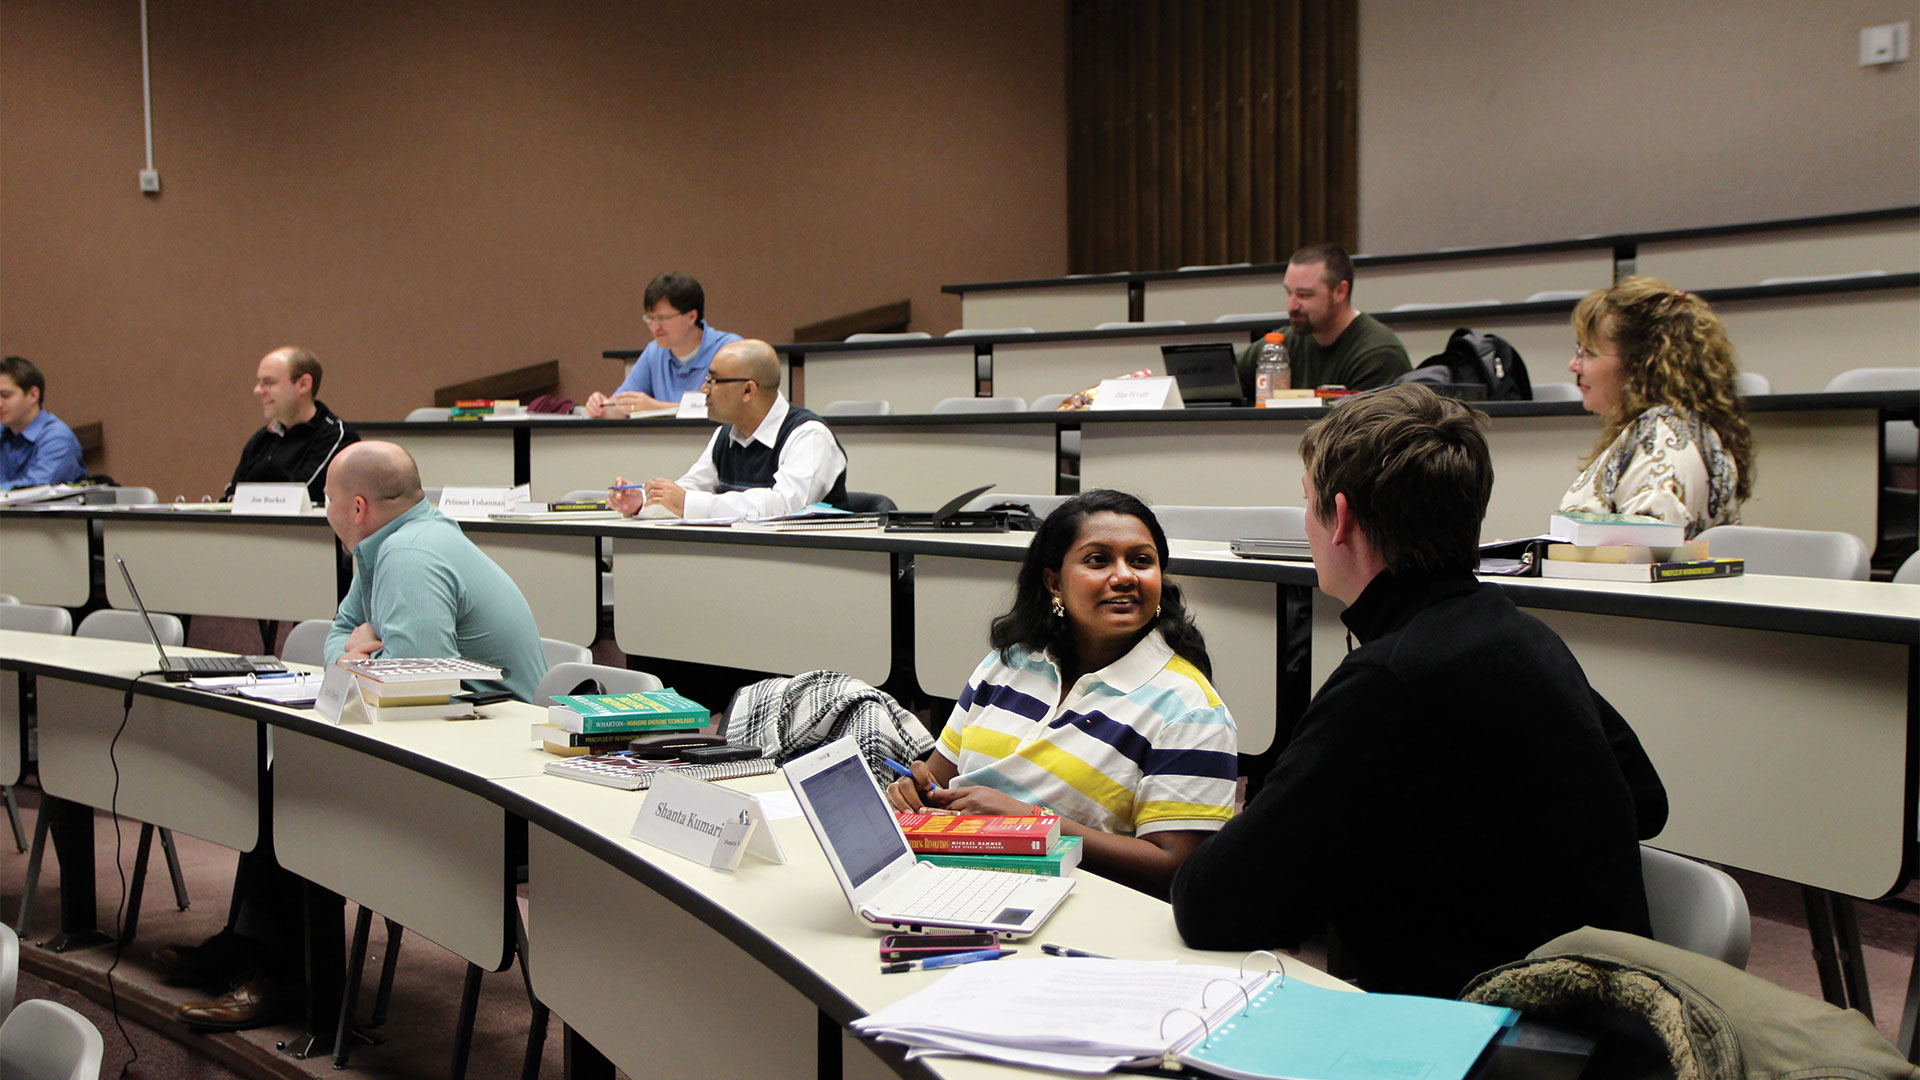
(1817, 455)
(1779, 710)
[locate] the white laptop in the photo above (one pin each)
(877, 870)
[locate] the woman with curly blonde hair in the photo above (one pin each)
(1655, 364)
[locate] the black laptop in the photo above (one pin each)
(1206, 375)
(182, 668)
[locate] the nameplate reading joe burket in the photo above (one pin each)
(288, 499)
(711, 825)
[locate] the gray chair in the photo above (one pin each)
(428, 412)
(36, 618)
(1138, 325)
(1909, 572)
(970, 332)
(911, 335)
(112, 624)
(1214, 266)
(1438, 305)
(1696, 907)
(8, 598)
(1750, 383)
(1903, 436)
(1556, 294)
(1047, 402)
(570, 678)
(1275, 317)
(45, 1040)
(9, 969)
(1555, 391)
(1042, 504)
(307, 642)
(1797, 552)
(857, 408)
(980, 405)
(1225, 523)
(564, 652)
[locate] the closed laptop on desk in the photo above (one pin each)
(878, 872)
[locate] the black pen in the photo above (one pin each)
(1062, 950)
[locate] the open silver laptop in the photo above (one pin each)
(182, 668)
(883, 881)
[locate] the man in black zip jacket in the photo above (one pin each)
(302, 435)
(1456, 794)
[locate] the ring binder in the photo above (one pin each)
(1246, 997)
(1269, 954)
(1171, 1059)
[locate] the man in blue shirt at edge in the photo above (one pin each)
(35, 447)
(676, 362)
(420, 587)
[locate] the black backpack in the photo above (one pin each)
(1485, 366)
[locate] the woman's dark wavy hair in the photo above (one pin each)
(1030, 622)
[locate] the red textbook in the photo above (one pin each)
(982, 834)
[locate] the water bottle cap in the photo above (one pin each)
(1275, 337)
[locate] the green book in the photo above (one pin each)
(1060, 862)
(642, 711)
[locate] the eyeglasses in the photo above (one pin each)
(711, 381)
(657, 320)
(1584, 354)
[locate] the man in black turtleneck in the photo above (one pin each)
(301, 435)
(1456, 794)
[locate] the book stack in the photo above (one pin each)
(1029, 844)
(581, 724)
(481, 408)
(1626, 547)
(417, 689)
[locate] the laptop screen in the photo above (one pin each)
(855, 818)
(127, 576)
(1205, 373)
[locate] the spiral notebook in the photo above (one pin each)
(631, 773)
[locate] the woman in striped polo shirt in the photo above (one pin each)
(1094, 703)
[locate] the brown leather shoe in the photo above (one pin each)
(250, 1004)
(217, 962)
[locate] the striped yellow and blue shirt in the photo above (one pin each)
(1140, 746)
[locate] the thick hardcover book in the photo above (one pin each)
(644, 711)
(631, 773)
(1062, 861)
(981, 834)
(391, 681)
(1688, 570)
(563, 743)
(1579, 527)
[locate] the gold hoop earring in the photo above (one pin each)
(1059, 609)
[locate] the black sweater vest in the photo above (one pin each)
(754, 465)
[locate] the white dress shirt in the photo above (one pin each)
(808, 466)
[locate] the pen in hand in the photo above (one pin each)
(949, 960)
(907, 772)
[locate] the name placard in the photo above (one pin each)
(1158, 392)
(339, 700)
(480, 501)
(283, 499)
(712, 825)
(693, 406)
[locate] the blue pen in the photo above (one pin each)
(949, 960)
(625, 487)
(907, 772)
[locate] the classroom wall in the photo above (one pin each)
(1502, 121)
(428, 191)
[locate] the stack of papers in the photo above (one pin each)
(295, 690)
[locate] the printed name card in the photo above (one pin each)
(711, 825)
(693, 406)
(284, 499)
(339, 700)
(1158, 392)
(481, 501)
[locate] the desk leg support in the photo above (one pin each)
(71, 829)
(325, 961)
(463, 1028)
(579, 1060)
(1836, 950)
(829, 1065)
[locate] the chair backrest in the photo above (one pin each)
(870, 502)
(116, 625)
(857, 408)
(1138, 325)
(1047, 402)
(45, 1040)
(8, 598)
(37, 618)
(1555, 391)
(1275, 317)
(1232, 522)
(1696, 907)
(569, 678)
(1796, 552)
(428, 412)
(1875, 378)
(9, 969)
(564, 652)
(1909, 572)
(1042, 504)
(1750, 383)
(980, 404)
(911, 335)
(133, 496)
(307, 642)
(982, 331)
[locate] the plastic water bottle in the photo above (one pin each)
(1271, 371)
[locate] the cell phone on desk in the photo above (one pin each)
(713, 755)
(898, 947)
(672, 744)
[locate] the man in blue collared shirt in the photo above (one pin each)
(676, 361)
(35, 447)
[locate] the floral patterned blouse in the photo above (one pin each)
(1666, 464)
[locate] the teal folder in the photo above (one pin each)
(1296, 1031)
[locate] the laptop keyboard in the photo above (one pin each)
(966, 895)
(211, 665)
